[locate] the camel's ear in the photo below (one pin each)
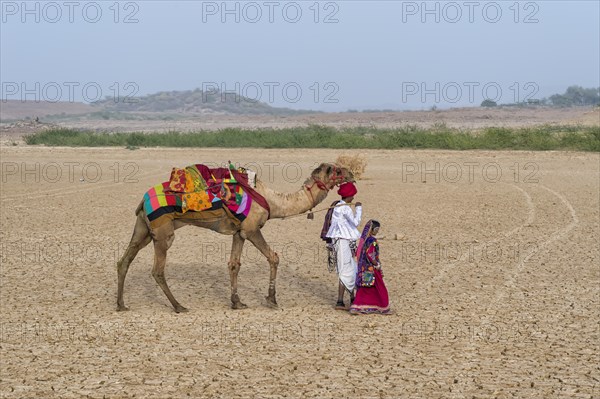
(329, 170)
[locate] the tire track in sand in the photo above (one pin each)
(556, 235)
(442, 273)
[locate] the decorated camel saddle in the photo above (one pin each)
(198, 188)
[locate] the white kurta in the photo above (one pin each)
(344, 224)
(343, 230)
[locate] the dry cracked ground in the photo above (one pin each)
(491, 260)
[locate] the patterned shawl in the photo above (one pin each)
(366, 240)
(366, 233)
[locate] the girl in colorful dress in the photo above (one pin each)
(372, 296)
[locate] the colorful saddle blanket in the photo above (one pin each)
(193, 188)
(197, 188)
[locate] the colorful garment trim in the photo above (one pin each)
(373, 299)
(156, 198)
(369, 309)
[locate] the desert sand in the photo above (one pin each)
(491, 261)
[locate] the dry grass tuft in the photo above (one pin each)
(356, 163)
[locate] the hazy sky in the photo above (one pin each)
(335, 55)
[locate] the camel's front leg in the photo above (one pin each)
(234, 269)
(259, 242)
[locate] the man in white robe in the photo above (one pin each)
(344, 233)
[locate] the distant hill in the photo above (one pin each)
(166, 105)
(194, 102)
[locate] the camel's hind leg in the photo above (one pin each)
(259, 242)
(139, 239)
(234, 269)
(163, 239)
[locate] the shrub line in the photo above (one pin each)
(538, 138)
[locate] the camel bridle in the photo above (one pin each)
(336, 179)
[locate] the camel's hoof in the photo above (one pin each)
(238, 305)
(122, 308)
(271, 302)
(181, 309)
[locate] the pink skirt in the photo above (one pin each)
(372, 299)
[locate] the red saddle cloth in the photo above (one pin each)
(222, 174)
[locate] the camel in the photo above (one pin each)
(313, 191)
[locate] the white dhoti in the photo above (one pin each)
(346, 264)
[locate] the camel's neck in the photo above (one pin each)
(289, 204)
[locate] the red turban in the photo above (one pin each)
(347, 190)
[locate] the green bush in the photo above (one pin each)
(316, 136)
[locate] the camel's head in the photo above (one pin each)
(331, 175)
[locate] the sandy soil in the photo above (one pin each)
(494, 281)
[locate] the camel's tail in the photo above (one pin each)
(139, 208)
